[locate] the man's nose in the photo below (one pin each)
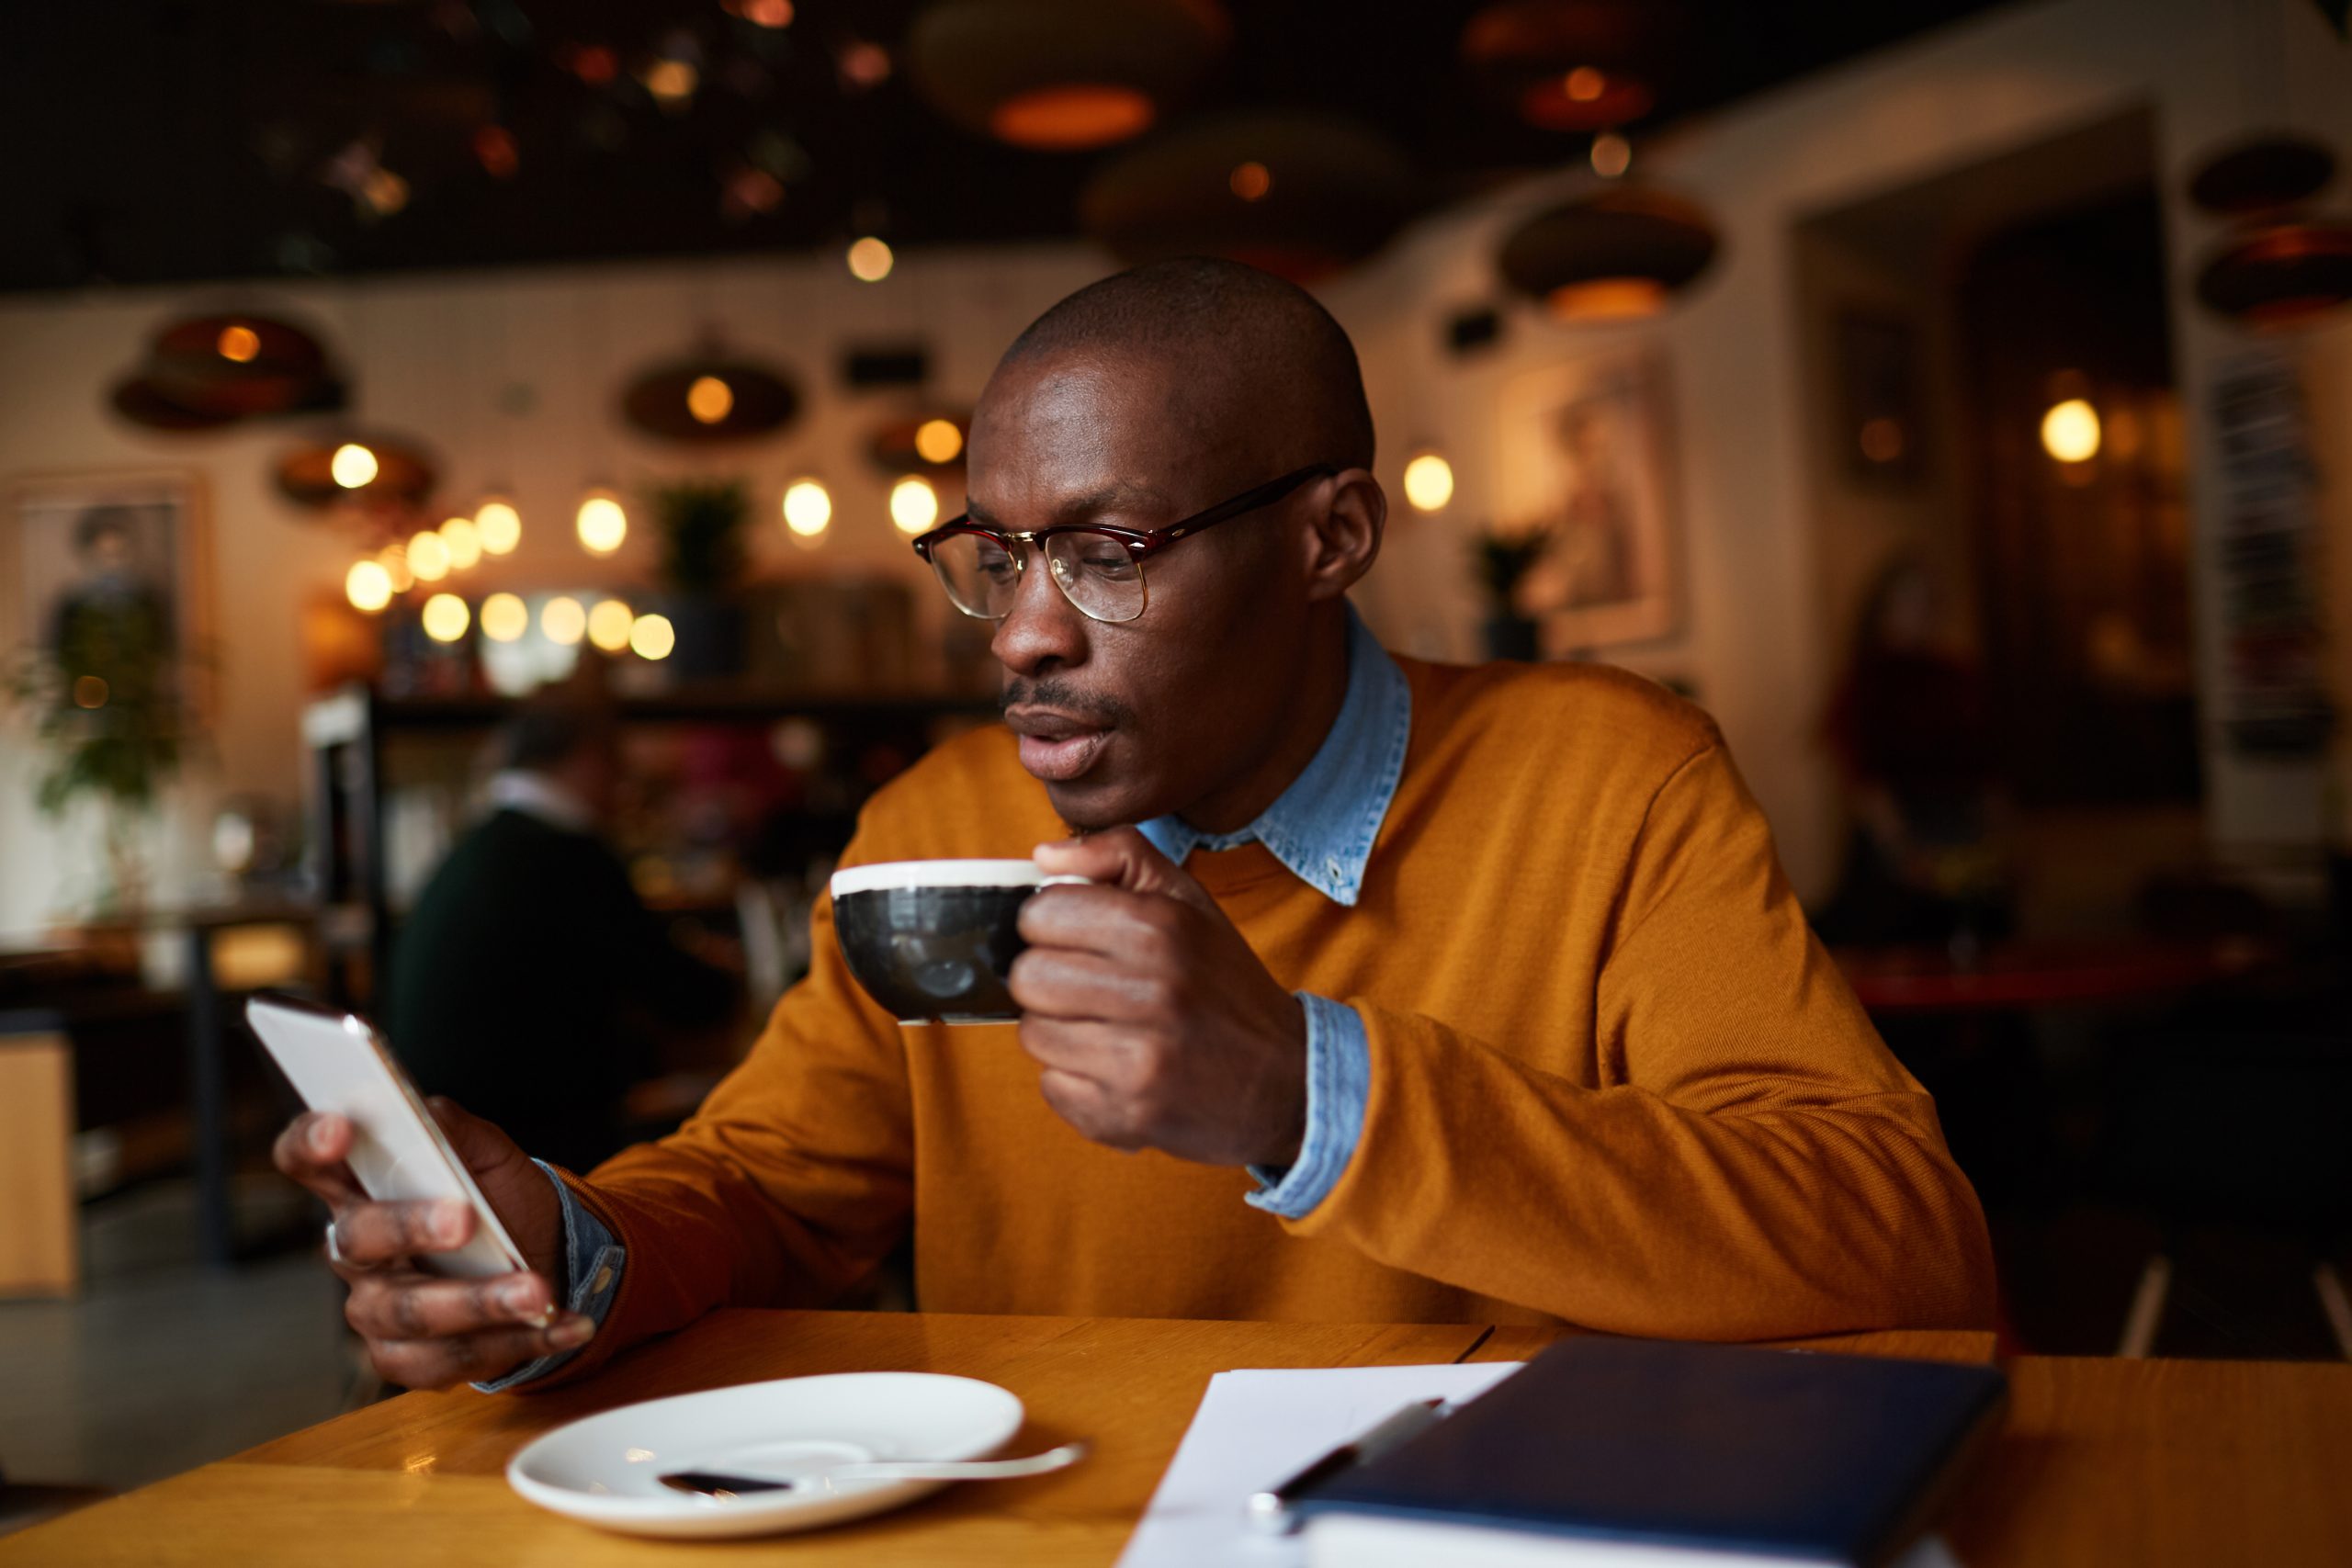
(1044, 630)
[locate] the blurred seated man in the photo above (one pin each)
(529, 982)
(1404, 992)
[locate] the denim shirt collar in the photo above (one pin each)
(1323, 825)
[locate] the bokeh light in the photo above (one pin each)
(938, 441)
(709, 399)
(610, 623)
(368, 585)
(445, 617)
(652, 637)
(1429, 482)
(562, 620)
(2070, 430)
(428, 556)
(464, 542)
(914, 506)
(808, 508)
(352, 465)
(500, 524)
(602, 524)
(504, 617)
(870, 260)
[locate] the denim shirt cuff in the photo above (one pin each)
(1338, 1086)
(592, 1262)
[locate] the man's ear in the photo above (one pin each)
(1343, 538)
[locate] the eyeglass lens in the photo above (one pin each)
(1095, 572)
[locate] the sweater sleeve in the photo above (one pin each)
(789, 1185)
(1747, 1162)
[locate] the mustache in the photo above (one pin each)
(1104, 712)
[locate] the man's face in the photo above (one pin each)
(1127, 721)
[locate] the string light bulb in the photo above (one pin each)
(562, 621)
(368, 585)
(500, 525)
(2070, 430)
(393, 559)
(601, 523)
(504, 617)
(652, 637)
(870, 259)
(428, 556)
(610, 623)
(464, 543)
(1429, 482)
(808, 510)
(914, 506)
(445, 617)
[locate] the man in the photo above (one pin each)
(1419, 994)
(529, 981)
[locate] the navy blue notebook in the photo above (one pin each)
(1815, 1457)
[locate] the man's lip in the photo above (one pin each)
(1060, 759)
(1049, 724)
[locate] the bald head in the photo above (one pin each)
(1254, 361)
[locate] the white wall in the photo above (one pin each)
(2209, 70)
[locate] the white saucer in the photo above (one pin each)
(605, 1469)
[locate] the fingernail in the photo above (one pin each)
(317, 1137)
(449, 1222)
(571, 1331)
(516, 1298)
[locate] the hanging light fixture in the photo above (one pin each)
(1061, 75)
(1571, 66)
(1333, 192)
(239, 365)
(1622, 253)
(708, 398)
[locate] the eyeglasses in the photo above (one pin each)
(1098, 568)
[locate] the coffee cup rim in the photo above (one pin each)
(882, 876)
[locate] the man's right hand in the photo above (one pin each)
(424, 1331)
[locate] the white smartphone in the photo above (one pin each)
(338, 1062)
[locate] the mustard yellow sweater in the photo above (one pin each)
(1615, 1080)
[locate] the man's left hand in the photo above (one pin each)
(1156, 1025)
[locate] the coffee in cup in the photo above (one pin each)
(934, 940)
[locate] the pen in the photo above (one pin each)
(1269, 1511)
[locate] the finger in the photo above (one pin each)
(368, 1232)
(1088, 1106)
(1121, 857)
(473, 1357)
(407, 1304)
(1108, 920)
(1081, 1048)
(311, 1151)
(1073, 983)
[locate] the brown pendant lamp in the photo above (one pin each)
(240, 363)
(711, 400)
(1300, 193)
(2283, 267)
(144, 403)
(1621, 253)
(1061, 75)
(1569, 65)
(399, 476)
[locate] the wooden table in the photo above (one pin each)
(2144, 1462)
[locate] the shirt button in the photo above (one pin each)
(596, 1287)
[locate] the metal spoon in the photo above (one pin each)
(723, 1484)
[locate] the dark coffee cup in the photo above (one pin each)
(932, 941)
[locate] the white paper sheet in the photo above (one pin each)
(1256, 1430)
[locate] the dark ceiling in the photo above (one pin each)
(152, 141)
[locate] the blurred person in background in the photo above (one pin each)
(530, 977)
(1911, 731)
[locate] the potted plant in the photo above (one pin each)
(107, 707)
(702, 524)
(1499, 562)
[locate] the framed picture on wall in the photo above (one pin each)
(112, 571)
(1585, 465)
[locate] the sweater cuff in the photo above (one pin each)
(1339, 1085)
(592, 1263)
